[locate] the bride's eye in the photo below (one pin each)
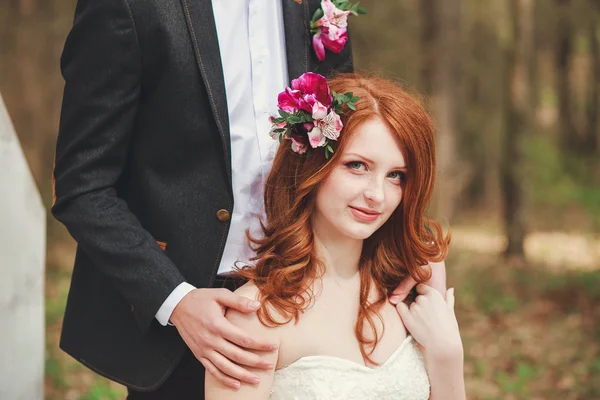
(397, 176)
(356, 165)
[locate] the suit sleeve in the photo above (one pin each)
(101, 65)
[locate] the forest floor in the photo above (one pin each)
(529, 332)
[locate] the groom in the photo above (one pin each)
(162, 152)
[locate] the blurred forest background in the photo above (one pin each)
(514, 86)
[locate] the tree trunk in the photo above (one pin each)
(27, 7)
(519, 123)
(429, 34)
(567, 135)
(440, 35)
(591, 142)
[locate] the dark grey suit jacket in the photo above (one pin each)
(142, 167)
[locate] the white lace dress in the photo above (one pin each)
(401, 377)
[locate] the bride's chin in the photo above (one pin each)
(359, 233)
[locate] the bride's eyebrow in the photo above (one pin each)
(403, 168)
(361, 157)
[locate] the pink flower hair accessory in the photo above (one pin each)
(309, 114)
(329, 25)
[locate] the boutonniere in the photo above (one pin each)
(329, 25)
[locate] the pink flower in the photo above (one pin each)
(275, 135)
(334, 39)
(318, 46)
(333, 34)
(316, 138)
(330, 127)
(308, 89)
(332, 15)
(288, 100)
(297, 146)
(319, 111)
(308, 126)
(313, 87)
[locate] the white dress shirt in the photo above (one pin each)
(252, 45)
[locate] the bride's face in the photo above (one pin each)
(365, 186)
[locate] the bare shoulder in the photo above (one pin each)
(250, 321)
(248, 290)
(438, 264)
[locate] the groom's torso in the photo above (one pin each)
(179, 180)
(178, 177)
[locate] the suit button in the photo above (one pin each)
(223, 215)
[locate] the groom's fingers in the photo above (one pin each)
(218, 375)
(242, 357)
(237, 302)
(232, 370)
(237, 336)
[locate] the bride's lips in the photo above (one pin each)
(364, 214)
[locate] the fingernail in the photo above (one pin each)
(236, 385)
(269, 366)
(254, 304)
(273, 347)
(394, 299)
(255, 380)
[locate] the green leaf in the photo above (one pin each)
(284, 115)
(317, 15)
(362, 10)
(330, 148)
(352, 106)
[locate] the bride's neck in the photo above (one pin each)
(340, 255)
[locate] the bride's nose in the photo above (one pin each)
(374, 191)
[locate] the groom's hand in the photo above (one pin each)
(437, 281)
(217, 344)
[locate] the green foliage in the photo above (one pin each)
(340, 99)
(561, 180)
(102, 391)
(516, 382)
(543, 345)
(55, 307)
(53, 370)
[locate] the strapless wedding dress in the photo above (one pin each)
(401, 377)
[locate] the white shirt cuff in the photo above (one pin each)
(166, 309)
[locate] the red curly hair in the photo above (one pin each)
(286, 262)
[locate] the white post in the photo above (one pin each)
(22, 258)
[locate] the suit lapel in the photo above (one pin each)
(203, 32)
(297, 40)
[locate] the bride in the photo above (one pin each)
(345, 204)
